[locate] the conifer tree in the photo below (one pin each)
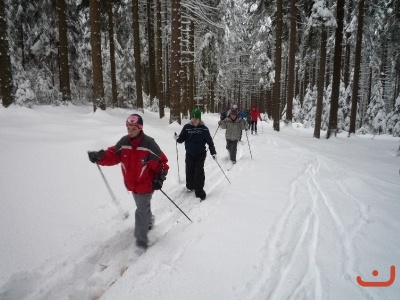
(175, 113)
(336, 69)
(114, 90)
(357, 68)
(136, 47)
(97, 63)
(6, 86)
(376, 114)
(63, 56)
(393, 119)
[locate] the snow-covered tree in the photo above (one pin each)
(297, 116)
(326, 106)
(376, 113)
(343, 109)
(393, 119)
(45, 91)
(24, 95)
(309, 106)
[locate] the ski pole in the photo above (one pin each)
(117, 204)
(222, 170)
(175, 205)
(249, 144)
(216, 131)
(177, 161)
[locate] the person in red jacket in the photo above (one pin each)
(144, 168)
(254, 114)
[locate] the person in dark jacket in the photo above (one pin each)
(144, 168)
(196, 135)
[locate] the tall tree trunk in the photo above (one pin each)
(211, 107)
(114, 89)
(321, 84)
(336, 70)
(159, 60)
(6, 85)
(167, 55)
(64, 65)
(292, 62)
(328, 66)
(167, 79)
(284, 87)
(357, 67)
(136, 53)
(152, 54)
(278, 63)
(175, 61)
(383, 67)
(346, 65)
(396, 88)
(368, 96)
(97, 65)
(268, 101)
(184, 106)
(191, 66)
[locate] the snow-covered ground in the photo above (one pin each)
(300, 219)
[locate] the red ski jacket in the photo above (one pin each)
(255, 114)
(141, 161)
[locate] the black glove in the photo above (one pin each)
(95, 156)
(158, 181)
(223, 115)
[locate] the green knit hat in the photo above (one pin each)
(196, 113)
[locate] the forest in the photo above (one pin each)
(332, 65)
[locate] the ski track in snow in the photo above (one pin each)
(291, 267)
(292, 244)
(90, 273)
(215, 181)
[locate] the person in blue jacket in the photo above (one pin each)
(196, 135)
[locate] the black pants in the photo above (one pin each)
(195, 173)
(231, 146)
(253, 126)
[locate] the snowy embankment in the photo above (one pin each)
(300, 219)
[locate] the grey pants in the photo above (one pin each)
(231, 146)
(142, 216)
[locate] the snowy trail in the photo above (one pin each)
(308, 224)
(287, 238)
(300, 218)
(97, 267)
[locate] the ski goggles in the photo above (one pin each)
(134, 121)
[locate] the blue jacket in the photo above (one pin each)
(242, 115)
(195, 139)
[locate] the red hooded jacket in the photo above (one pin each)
(141, 161)
(255, 113)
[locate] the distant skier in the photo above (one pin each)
(248, 118)
(144, 167)
(196, 135)
(255, 114)
(242, 115)
(234, 127)
(234, 106)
